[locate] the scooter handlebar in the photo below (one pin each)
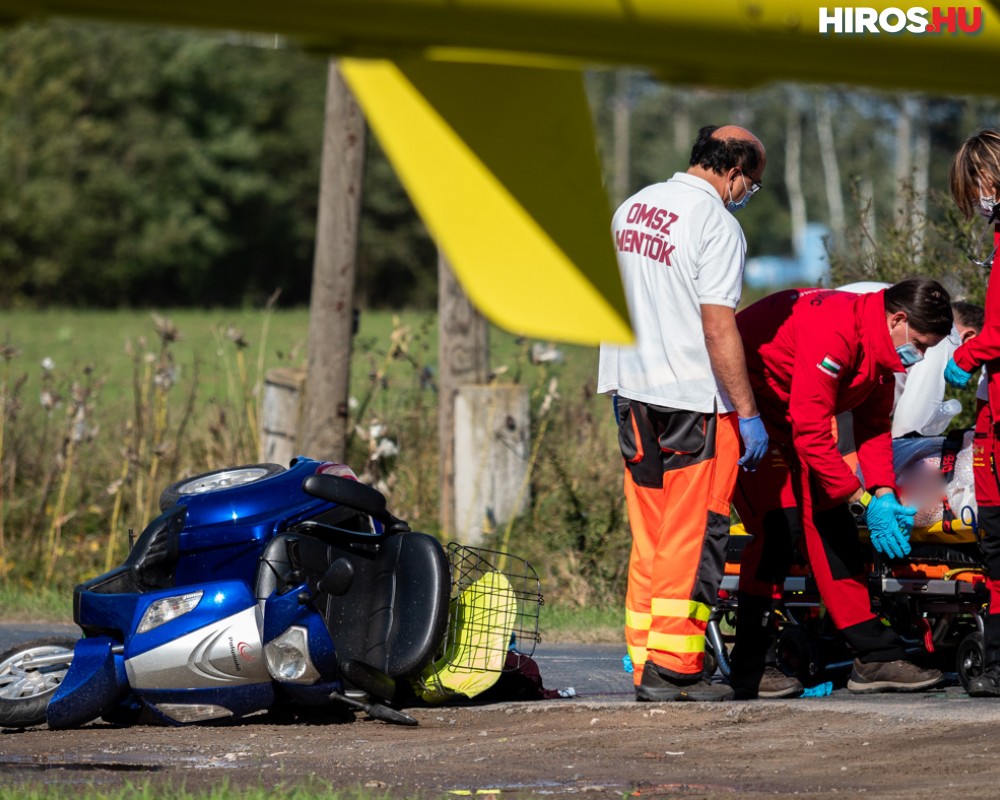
(350, 493)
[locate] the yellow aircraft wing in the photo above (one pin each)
(510, 188)
(724, 42)
(479, 105)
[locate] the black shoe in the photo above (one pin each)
(659, 688)
(775, 684)
(891, 676)
(987, 684)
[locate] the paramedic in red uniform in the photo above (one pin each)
(811, 354)
(975, 185)
(683, 403)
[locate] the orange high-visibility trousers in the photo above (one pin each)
(680, 470)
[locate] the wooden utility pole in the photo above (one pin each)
(463, 358)
(331, 308)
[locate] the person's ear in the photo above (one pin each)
(970, 333)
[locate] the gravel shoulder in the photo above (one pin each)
(815, 748)
(600, 743)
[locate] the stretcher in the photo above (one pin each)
(935, 598)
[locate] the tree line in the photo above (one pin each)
(156, 167)
(872, 166)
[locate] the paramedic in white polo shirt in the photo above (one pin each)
(683, 402)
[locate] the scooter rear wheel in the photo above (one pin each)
(217, 480)
(25, 690)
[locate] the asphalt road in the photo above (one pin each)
(12, 634)
(596, 674)
(592, 670)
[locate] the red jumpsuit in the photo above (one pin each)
(812, 354)
(983, 350)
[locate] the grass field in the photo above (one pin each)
(106, 341)
(101, 410)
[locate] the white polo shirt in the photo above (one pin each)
(678, 248)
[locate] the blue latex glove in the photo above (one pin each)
(955, 376)
(905, 516)
(755, 442)
(890, 523)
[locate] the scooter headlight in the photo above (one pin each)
(288, 658)
(167, 609)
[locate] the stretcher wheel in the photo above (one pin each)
(798, 654)
(970, 659)
(711, 663)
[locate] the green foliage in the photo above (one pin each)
(149, 164)
(397, 261)
(100, 411)
(22, 601)
(930, 244)
(151, 167)
(577, 530)
(597, 622)
(663, 120)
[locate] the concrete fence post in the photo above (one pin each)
(281, 417)
(492, 448)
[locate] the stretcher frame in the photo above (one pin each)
(937, 608)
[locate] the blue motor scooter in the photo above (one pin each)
(262, 588)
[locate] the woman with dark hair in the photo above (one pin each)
(812, 354)
(975, 186)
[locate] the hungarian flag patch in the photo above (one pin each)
(829, 366)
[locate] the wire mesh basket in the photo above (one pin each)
(493, 593)
(492, 623)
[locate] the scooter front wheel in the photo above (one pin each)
(30, 673)
(217, 480)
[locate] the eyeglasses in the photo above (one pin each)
(977, 246)
(754, 185)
